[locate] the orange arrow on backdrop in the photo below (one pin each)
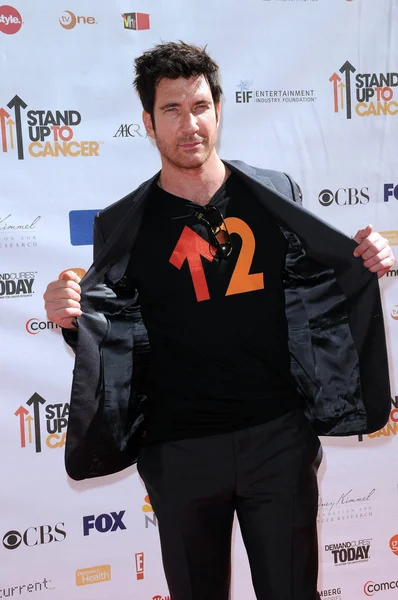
(10, 123)
(341, 87)
(29, 420)
(21, 412)
(3, 116)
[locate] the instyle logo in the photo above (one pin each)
(344, 197)
(150, 517)
(394, 545)
(37, 586)
(35, 326)
(161, 598)
(352, 552)
(93, 575)
(139, 565)
(247, 94)
(50, 132)
(104, 523)
(390, 191)
(69, 21)
(369, 94)
(30, 427)
(136, 21)
(10, 20)
(17, 285)
(371, 588)
(34, 536)
(133, 130)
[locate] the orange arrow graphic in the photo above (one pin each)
(3, 115)
(10, 124)
(21, 412)
(29, 420)
(341, 87)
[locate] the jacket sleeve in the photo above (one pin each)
(70, 335)
(296, 190)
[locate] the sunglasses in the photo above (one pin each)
(221, 246)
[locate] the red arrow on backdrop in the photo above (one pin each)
(21, 413)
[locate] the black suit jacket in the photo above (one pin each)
(336, 332)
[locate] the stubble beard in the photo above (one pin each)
(177, 158)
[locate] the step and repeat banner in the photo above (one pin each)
(310, 88)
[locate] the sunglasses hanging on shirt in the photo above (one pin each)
(221, 245)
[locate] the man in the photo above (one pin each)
(256, 312)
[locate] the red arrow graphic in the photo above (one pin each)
(335, 79)
(21, 413)
(191, 247)
(3, 116)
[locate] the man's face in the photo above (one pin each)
(185, 121)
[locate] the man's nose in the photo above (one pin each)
(189, 123)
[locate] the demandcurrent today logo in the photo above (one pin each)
(56, 420)
(10, 20)
(34, 536)
(17, 285)
(69, 21)
(349, 553)
(370, 94)
(344, 197)
(247, 94)
(50, 133)
(136, 21)
(371, 588)
(348, 506)
(93, 575)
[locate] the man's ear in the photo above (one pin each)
(218, 112)
(147, 119)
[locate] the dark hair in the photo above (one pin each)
(173, 60)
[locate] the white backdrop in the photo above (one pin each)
(310, 88)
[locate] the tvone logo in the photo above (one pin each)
(51, 133)
(69, 21)
(371, 588)
(10, 20)
(104, 523)
(394, 312)
(390, 190)
(56, 416)
(373, 94)
(344, 197)
(34, 536)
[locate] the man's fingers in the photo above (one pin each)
(377, 259)
(363, 233)
(378, 246)
(69, 275)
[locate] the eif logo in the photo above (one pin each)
(136, 21)
(148, 510)
(10, 20)
(369, 94)
(69, 21)
(104, 523)
(245, 93)
(55, 417)
(50, 133)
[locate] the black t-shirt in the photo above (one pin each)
(217, 326)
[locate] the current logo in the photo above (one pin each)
(368, 94)
(48, 133)
(10, 20)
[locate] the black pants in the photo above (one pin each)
(267, 474)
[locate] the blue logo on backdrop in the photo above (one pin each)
(390, 190)
(104, 523)
(81, 227)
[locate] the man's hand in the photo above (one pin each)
(375, 251)
(62, 300)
